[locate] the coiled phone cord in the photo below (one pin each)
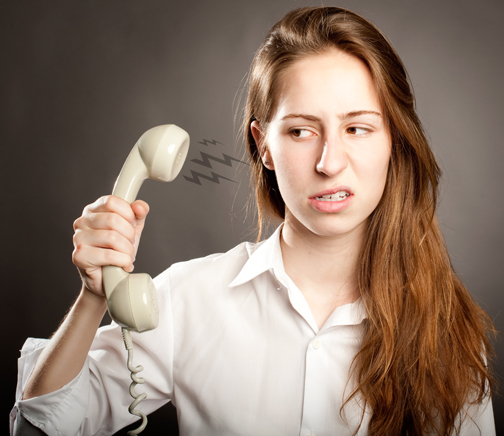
(136, 380)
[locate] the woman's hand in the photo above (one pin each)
(107, 233)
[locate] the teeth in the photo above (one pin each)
(338, 196)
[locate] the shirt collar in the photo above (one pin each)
(267, 256)
(264, 256)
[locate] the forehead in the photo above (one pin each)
(331, 82)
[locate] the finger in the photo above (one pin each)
(140, 209)
(106, 221)
(105, 239)
(111, 203)
(89, 258)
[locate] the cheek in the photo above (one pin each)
(286, 164)
(373, 169)
(287, 176)
(380, 169)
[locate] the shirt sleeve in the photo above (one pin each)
(72, 396)
(96, 402)
(478, 419)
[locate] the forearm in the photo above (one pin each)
(63, 358)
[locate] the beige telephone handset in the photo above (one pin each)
(131, 298)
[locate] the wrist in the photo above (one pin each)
(89, 298)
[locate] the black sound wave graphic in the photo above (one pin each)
(213, 142)
(206, 162)
(206, 158)
(197, 176)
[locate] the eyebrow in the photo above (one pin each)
(342, 117)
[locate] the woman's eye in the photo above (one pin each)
(301, 133)
(358, 131)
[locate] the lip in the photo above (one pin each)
(332, 191)
(331, 206)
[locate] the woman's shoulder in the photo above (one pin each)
(217, 268)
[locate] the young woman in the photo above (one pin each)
(348, 320)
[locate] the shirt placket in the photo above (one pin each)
(314, 403)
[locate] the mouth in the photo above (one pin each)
(332, 200)
(338, 193)
(337, 196)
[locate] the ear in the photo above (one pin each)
(259, 135)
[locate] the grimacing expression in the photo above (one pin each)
(327, 143)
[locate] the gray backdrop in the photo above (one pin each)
(81, 81)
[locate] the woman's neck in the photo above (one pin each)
(324, 268)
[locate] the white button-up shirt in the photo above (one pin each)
(238, 352)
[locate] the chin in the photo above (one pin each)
(336, 232)
(332, 227)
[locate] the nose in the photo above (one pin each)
(333, 158)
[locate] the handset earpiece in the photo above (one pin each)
(159, 154)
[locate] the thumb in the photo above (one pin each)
(140, 209)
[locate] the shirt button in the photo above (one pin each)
(316, 344)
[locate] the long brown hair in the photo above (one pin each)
(426, 344)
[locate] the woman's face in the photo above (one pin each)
(328, 144)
